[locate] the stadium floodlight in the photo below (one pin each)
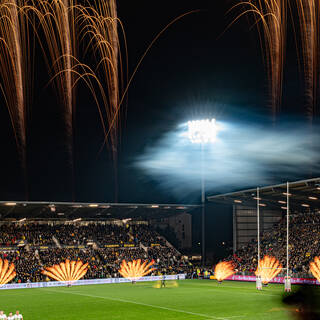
(202, 131)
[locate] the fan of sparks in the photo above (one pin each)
(268, 268)
(7, 272)
(135, 269)
(67, 271)
(315, 268)
(223, 270)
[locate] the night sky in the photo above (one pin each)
(198, 68)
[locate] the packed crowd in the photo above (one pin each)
(304, 240)
(73, 234)
(103, 261)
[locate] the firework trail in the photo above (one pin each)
(67, 271)
(14, 68)
(271, 17)
(315, 268)
(135, 269)
(99, 27)
(223, 270)
(57, 21)
(308, 11)
(7, 272)
(268, 268)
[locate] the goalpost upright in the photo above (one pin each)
(287, 282)
(258, 278)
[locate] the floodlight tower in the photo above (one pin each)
(202, 132)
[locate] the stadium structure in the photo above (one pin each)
(37, 235)
(304, 197)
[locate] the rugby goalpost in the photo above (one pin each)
(287, 279)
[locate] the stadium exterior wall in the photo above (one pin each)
(32, 285)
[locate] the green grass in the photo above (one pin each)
(193, 299)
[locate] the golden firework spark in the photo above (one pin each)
(15, 69)
(223, 270)
(268, 268)
(67, 271)
(135, 269)
(271, 17)
(315, 268)
(7, 272)
(308, 11)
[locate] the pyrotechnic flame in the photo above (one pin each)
(7, 272)
(315, 268)
(67, 271)
(135, 269)
(271, 15)
(223, 270)
(268, 268)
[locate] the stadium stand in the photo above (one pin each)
(304, 245)
(34, 246)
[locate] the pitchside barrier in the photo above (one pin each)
(88, 282)
(275, 280)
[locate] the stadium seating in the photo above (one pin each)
(32, 247)
(304, 245)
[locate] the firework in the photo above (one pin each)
(135, 269)
(7, 272)
(269, 267)
(315, 268)
(15, 69)
(223, 270)
(67, 271)
(308, 11)
(271, 17)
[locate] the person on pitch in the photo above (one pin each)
(3, 315)
(18, 316)
(163, 281)
(10, 316)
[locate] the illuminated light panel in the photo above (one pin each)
(284, 208)
(287, 194)
(283, 202)
(135, 269)
(256, 198)
(181, 208)
(237, 201)
(67, 271)
(11, 204)
(305, 205)
(21, 220)
(154, 206)
(262, 205)
(313, 198)
(223, 270)
(269, 268)
(202, 131)
(93, 205)
(7, 272)
(76, 220)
